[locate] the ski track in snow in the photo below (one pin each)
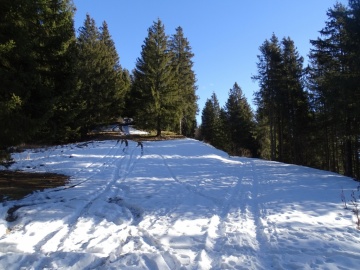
(119, 167)
(168, 208)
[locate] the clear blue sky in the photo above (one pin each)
(225, 36)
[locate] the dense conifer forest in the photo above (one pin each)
(56, 86)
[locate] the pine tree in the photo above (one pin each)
(35, 66)
(185, 82)
(212, 125)
(154, 96)
(269, 78)
(354, 40)
(282, 101)
(62, 64)
(240, 124)
(117, 78)
(101, 82)
(294, 105)
(334, 81)
(208, 117)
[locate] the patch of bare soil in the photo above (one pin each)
(15, 185)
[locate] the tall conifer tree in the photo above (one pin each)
(282, 101)
(101, 89)
(185, 82)
(294, 106)
(334, 77)
(240, 124)
(269, 78)
(212, 127)
(154, 96)
(36, 66)
(117, 78)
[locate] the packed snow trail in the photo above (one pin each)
(178, 204)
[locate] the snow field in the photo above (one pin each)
(180, 204)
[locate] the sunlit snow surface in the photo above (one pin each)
(179, 204)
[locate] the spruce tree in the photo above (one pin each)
(62, 45)
(354, 40)
(269, 78)
(239, 121)
(208, 117)
(36, 66)
(117, 78)
(294, 106)
(282, 101)
(100, 79)
(212, 125)
(154, 96)
(334, 81)
(185, 82)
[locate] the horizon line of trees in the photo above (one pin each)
(305, 115)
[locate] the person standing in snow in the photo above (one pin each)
(126, 144)
(141, 145)
(120, 132)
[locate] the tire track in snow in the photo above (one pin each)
(43, 198)
(91, 165)
(233, 227)
(107, 156)
(264, 246)
(140, 238)
(241, 231)
(216, 236)
(213, 238)
(60, 236)
(248, 217)
(191, 188)
(166, 257)
(125, 170)
(122, 170)
(170, 260)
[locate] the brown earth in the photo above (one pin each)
(15, 185)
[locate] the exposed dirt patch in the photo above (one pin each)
(15, 185)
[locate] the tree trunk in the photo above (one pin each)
(158, 127)
(348, 170)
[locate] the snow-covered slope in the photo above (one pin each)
(179, 204)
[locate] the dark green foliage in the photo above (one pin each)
(101, 82)
(239, 124)
(212, 126)
(154, 97)
(283, 109)
(294, 106)
(36, 38)
(208, 118)
(269, 78)
(231, 128)
(61, 65)
(334, 80)
(185, 83)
